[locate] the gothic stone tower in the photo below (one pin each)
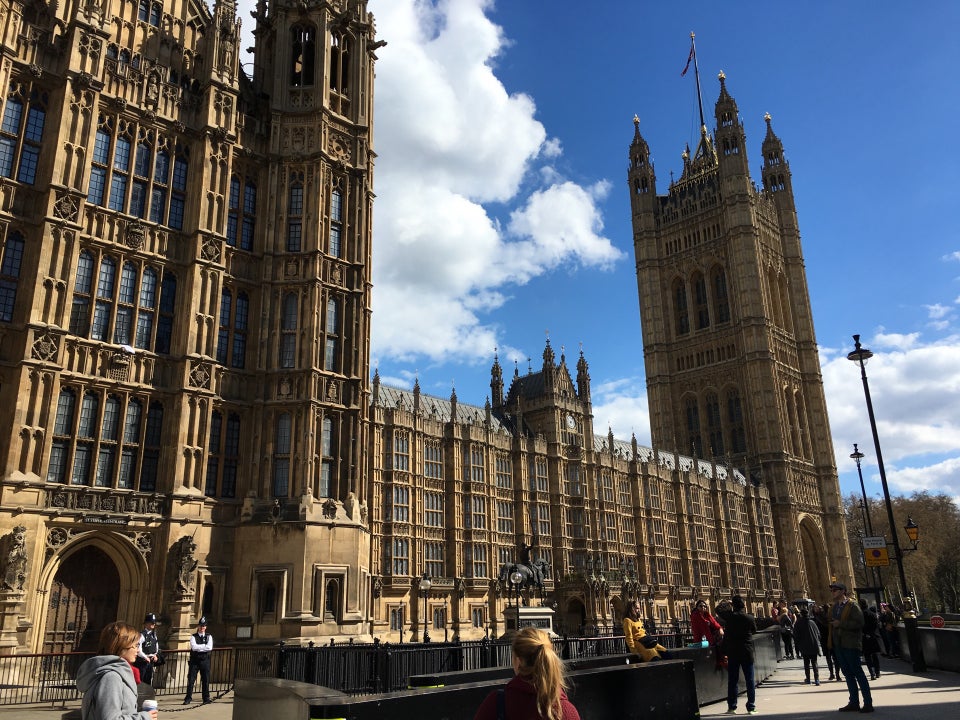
(729, 347)
(184, 319)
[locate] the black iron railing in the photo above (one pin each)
(354, 668)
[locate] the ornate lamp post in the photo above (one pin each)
(860, 355)
(425, 585)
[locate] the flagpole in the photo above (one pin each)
(696, 72)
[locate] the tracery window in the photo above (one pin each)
(326, 458)
(721, 300)
(340, 54)
(295, 213)
(242, 213)
(288, 331)
(714, 425)
(86, 446)
(700, 298)
(21, 131)
(146, 173)
(149, 12)
(232, 335)
(303, 53)
(433, 509)
(11, 258)
(223, 455)
(681, 318)
(332, 328)
(336, 224)
(692, 412)
(433, 460)
(281, 455)
(124, 312)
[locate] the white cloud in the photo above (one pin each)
(952, 256)
(622, 405)
(454, 147)
(938, 311)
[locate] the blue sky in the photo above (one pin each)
(502, 214)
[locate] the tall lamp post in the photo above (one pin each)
(857, 456)
(425, 585)
(860, 355)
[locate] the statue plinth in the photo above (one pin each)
(11, 606)
(517, 618)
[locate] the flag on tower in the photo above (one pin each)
(693, 52)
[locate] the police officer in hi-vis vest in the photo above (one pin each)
(201, 645)
(148, 649)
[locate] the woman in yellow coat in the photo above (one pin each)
(634, 633)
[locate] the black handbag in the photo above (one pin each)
(649, 642)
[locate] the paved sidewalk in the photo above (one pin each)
(898, 693)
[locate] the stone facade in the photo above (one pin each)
(459, 489)
(731, 357)
(187, 421)
(184, 319)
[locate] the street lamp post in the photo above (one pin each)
(425, 585)
(860, 355)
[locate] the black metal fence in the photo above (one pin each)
(354, 668)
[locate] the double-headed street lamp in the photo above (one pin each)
(425, 585)
(860, 355)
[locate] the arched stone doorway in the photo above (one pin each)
(814, 558)
(83, 598)
(94, 578)
(575, 617)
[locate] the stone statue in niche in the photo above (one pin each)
(14, 559)
(186, 564)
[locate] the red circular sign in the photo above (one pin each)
(936, 621)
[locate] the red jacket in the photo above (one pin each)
(703, 626)
(521, 703)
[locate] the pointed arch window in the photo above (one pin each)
(681, 315)
(326, 459)
(232, 335)
(737, 432)
(340, 53)
(721, 299)
(332, 335)
(295, 213)
(303, 55)
(12, 259)
(91, 448)
(124, 313)
(288, 331)
(21, 132)
(714, 425)
(223, 456)
(130, 449)
(281, 456)
(62, 430)
(158, 187)
(691, 409)
(702, 308)
(336, 224)
(242, 215)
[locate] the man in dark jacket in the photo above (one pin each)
(739, 628)
(846, 638)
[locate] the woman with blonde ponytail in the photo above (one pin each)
(537, 689)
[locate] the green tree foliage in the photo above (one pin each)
(933, 569)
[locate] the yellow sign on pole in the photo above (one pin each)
(875, 552)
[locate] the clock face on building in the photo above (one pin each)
(571, 422)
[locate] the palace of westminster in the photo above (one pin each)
(188, 420)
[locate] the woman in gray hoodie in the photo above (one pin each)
(107, 680)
